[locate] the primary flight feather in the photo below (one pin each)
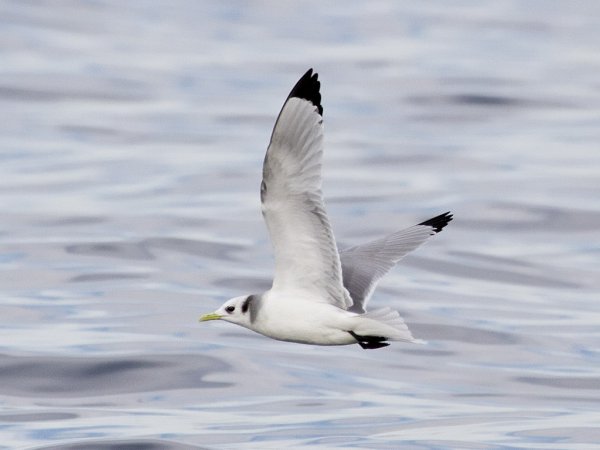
(319, 294)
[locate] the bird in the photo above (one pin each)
(319, 294)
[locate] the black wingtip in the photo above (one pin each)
(307, 88)
(438, 222)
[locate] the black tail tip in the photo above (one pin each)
(438, 222)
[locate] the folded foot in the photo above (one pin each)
(370, 342)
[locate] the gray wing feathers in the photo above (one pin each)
(364, 265)
(306, 255)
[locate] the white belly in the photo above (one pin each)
(304, 321)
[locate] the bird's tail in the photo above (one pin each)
(384, 322)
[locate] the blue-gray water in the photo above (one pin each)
(131, 142)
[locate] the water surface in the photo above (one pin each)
(131, 143)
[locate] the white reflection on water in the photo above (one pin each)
(131, 146)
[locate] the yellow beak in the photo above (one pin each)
(211, 316)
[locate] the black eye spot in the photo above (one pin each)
(230, 309)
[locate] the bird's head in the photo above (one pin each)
(236, 310)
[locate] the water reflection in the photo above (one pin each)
(90, 377)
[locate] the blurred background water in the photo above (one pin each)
(131, 141)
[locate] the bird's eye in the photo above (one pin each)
(230, 309)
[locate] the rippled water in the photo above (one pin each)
(131, 141)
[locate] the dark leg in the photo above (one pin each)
(370, 342)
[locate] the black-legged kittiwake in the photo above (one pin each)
(319, 294)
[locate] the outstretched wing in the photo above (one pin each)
(306, 255)
(364, 265)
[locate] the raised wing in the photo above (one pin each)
(364, 265)
(306, 255)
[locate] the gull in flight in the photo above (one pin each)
(319, 294)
